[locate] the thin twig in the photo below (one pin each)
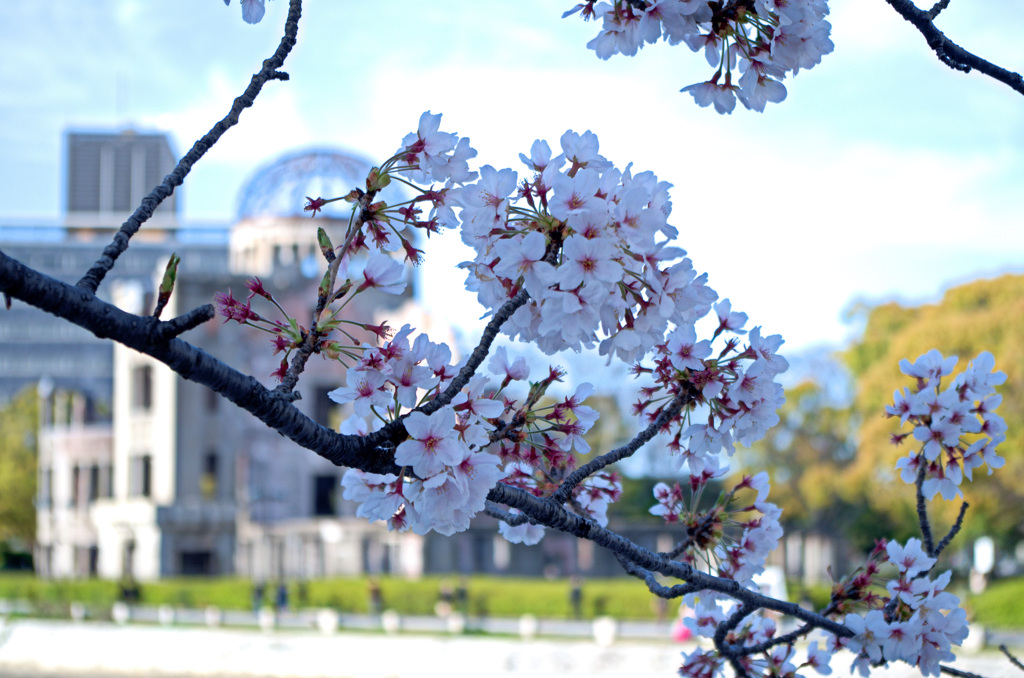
(92, 279)
(183, 323)
(627, 450)
(1013, 660)
(953, 531)
(922, 510)
(948, 51)
(958, 672)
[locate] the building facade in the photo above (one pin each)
(142, 473)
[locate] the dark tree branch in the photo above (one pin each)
(948, 51)
(548, 513)
(953, 531)
(183, 323)
(922, 511)
(576, 477)
(85, 309)
(728, 650)
(1013, 660)
(937, 7)
(660, 590)
(90, 282)
(949, 670)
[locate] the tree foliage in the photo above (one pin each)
(19, 421)
(808, 452)
(986, 315)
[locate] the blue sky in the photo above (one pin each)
(884, 174)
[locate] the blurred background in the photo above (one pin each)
(870, 217)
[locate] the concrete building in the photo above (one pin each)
(147, 475)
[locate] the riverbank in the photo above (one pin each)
(32, 648)
(105, 650)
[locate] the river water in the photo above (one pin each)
(48, 649)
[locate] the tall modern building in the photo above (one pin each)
(108, 175)
(103, 173)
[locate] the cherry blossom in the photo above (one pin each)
(252, 10)
(943, 417)
(432, 444)
(588, 254)
(383, 273)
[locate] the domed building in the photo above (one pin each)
(181, 482)
(273, 231)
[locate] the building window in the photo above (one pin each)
(196, 562)
(45, 488)
(107, 482)
(94, 483)
(208, 480)
(142, 387)
(76, 481)
(140, 480)
(324, 488)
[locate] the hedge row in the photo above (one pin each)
(487, 596)
(998, 607)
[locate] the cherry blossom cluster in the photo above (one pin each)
(712, 610)
(590, 246)
(919, 622)
(731, 540)
(379, 271)
(589, 243)
(366, 260)
(781, 661)
(446, 472)
(733, 537)
(732, 395)
(761, 40)
(537, 446)
(956, 427)
(453, 456)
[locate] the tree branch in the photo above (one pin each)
(148, 336)
(576, 477)
(660, 590)
(937, 7)
(548, 513)
(183, 323)
(953, 531)
(949, 670)
(1013, 660)
(922, 510)
(948, 51)
(90, 282)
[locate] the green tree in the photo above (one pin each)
(19, 421)
(808, 456)
(986, 315)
